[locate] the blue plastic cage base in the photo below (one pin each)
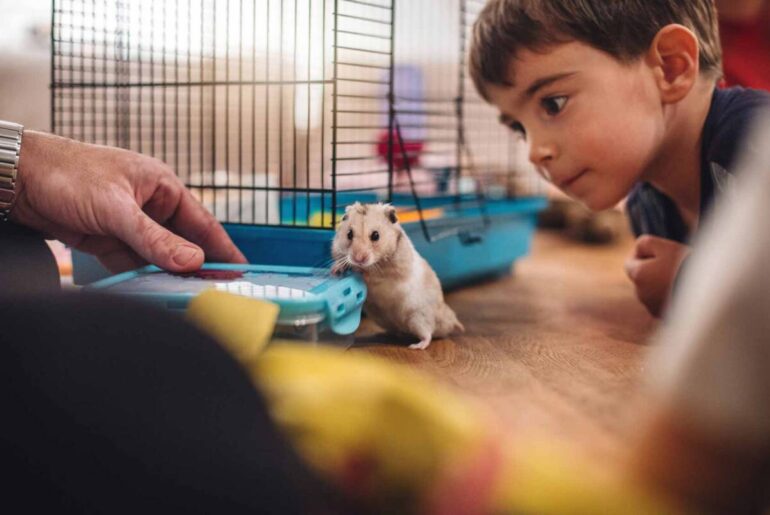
(459, 259)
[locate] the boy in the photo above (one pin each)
(617, 98)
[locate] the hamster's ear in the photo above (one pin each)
(345, 217)
(390, 212)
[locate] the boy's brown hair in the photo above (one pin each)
(622, 28)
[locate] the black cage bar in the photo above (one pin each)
(266, 108)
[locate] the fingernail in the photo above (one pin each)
(184, 255)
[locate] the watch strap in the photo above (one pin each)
(10, 147)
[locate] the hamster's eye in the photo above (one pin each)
(375, 236)
(350, 234)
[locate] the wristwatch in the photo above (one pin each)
(10, 146)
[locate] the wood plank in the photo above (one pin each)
(555, 351)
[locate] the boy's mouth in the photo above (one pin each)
(571, 180)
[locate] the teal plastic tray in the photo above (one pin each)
(305, 296)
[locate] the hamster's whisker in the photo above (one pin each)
(321, 268)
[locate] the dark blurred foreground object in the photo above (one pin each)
(26, 263)
(707, 441)
(113, 407)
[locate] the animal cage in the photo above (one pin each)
(279, 113)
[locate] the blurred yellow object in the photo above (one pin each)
(547, 479)
(242, 324)
(397, 442)
(381, 432)
(321, 219)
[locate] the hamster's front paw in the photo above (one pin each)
(338, 269)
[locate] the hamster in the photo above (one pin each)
(405, 296)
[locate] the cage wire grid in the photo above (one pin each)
(277, 112)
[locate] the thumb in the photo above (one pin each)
(160, 246)
(647, 246)
(632, 267)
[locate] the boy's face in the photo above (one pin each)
(594, 125)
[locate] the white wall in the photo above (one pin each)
(25, 62)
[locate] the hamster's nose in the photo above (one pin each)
(360, 258)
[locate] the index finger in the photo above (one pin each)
(193, 222)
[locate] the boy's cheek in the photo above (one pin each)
(618, 158)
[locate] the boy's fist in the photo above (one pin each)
(652, 267)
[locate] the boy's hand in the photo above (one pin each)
(652, 267)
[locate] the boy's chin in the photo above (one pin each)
(598, 203)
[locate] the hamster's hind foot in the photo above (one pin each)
(422, 344)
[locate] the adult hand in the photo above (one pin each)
(123, 207)
(652, 267)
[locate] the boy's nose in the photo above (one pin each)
(541, 155)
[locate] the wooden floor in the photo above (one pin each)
(556, 350)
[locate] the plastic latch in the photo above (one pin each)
(345, 311)
(471, 238)
(348, 323)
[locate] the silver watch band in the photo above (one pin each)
(10, 147)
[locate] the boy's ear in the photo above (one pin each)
(674, 57)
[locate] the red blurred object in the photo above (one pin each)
(746, 51)
(412, 148)
(222, 275)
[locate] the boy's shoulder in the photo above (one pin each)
(732, 114)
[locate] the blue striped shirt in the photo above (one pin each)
(730, 117)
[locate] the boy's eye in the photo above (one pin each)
(350, 234)
(375, 236)
(553, 105)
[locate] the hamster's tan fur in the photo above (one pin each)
(405, 296)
